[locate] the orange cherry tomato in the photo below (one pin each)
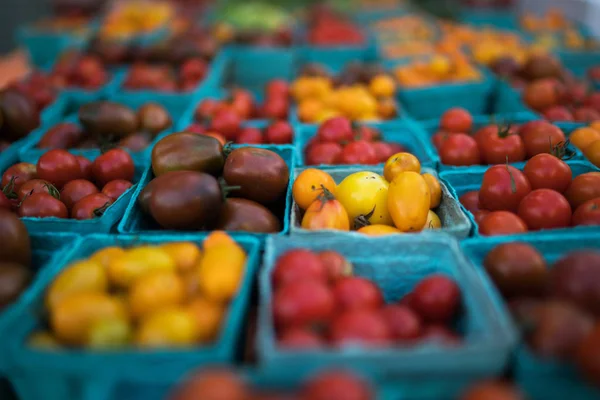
(309, 185)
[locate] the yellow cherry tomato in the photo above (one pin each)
(433, 221)
(81, 276)
(326, 214)
(186, 254)
(208, 316)
(167, 327)
(363, 194)
(382, 86)
(399, 163)
(106, 255)
(408, 201)
(124, 270)
(155, 290)
(435, 189)
(221, 272)
(72, 318)
(217, 238)
(378, 230)
(592, 152)
(309, 185)
(583, 137)
(109, 333)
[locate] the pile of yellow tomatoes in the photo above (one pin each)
(150, 296)
(401, 200)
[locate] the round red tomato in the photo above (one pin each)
(383, 151)
(18, 174)
(588, 213)
(545, 171)
(91, 206)
(250, 135)
(337, 385)
(503, 187)
(365, 327)
(540, 137)
(302, 303)
(227, 122)
(456, 120)
(501, 223)
(297, 265)
(206, 109)
(359, 152)
(355, 292)
(545, 209)
(436, 298)
(114, 189)
(336, 266)
(337, 129)
(583, 188)
(300, 338)
(367, 133)
(323, 153)
(404, 323)
(42, 205)
(439, 138)
(35, 186)
(501, 146)
(86, 168)
(470, 201)
(58, 167)
(279, 132)
(113, 165)
(460, 149)
(479, 215)
(76, 190)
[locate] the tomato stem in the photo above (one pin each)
(363, 219)
(52, 190)
(513, 185)
(98, 212)
(9, 189)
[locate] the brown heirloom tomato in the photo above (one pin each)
(186, 151)
(16, 246)
(248, 216)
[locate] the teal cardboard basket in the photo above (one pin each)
(136, 221)
(404, 132)
(255, 66)
(396, 263)
(543, 379)
(454, 221)
(469, 179)
(579, 62)
(44, 47)
(87, 375)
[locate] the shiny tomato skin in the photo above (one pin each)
(303, 303)
(279, 132)
(296, 265)
(540, 136)
(545, 171)
(91, 206)
(587, 214)
(42, 205)
(583, 188)
(227, 122)
(470, 201)
(460, 149)
(337, 129)
(503, 187)
(360, 326)
(323, 154)
(496, 149)
(501, 223)
(86, 168)
(33, 186)
(436, 298)
(456, 120)
(21, 172)
(479, 215)
(76, 190)
(545, 209)
(358, 152)
(113, 165)
(114, 189)
(58, 167)
(357, 293)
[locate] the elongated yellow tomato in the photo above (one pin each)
(124, 270)
(398, 163)
(433, 221)
(409, 199)
(435, 189)
(81, 276)
(379, 230)
(326, 214)
(221, 272)
(365, 193)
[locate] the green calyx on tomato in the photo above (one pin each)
(561, 150)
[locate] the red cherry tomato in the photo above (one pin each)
(296, 265)
(588, 213)
(277, 88)
(355, 292)
(359, 152)
(86, 168)
(42, 205)
(323, 153)
(337, 129)
(479, 215)
(275, 108)
(114, 189)
(58, 167)
(383, 151)
(545, 171)
(367, 133)
(336, 385)
(470, 201)
(545, 209)
(279, 132)
(250, 135)
(436, 298)
(501, 145)
(456, 120)
(91, 206)
(501, 223)
(300, 338)
(227, 122)
(460, 149)
(35, 186)
(18, 174)
(540, 137)
(206, 109)
(404, 323)
(439, 138)
(365, 327)
(302, 303)
(503, 187)
(76, 190)
(113, 165)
